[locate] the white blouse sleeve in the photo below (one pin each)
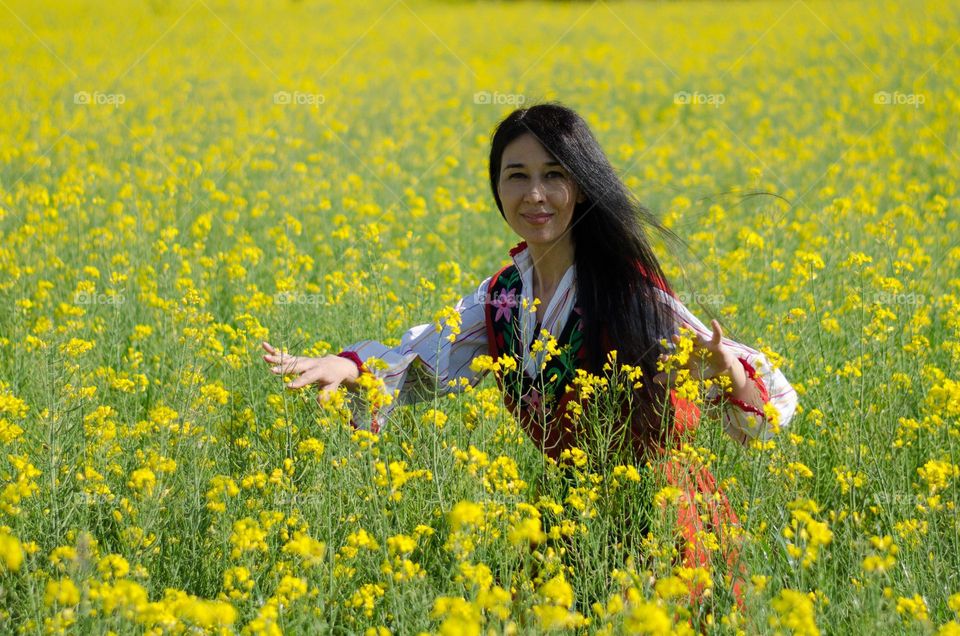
(742, 421)
(425, 361)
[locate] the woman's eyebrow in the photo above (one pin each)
(520, 165)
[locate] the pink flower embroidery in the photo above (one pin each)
(505, 302)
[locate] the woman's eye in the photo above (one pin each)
(553, 174)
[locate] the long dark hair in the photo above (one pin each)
(615, 265)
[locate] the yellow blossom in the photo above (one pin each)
(793, 611)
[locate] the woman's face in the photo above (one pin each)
(537, 193)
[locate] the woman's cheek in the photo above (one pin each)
(562, 195)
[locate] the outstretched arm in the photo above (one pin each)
(761, 400)
(426, 360)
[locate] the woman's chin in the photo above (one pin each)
(541, 240)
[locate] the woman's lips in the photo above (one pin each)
(537, 219)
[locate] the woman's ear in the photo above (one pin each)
(581, 197)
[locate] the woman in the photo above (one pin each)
(584, 254)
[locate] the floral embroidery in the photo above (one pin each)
(532, 398)
(505, 302)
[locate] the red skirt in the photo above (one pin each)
(702, 510)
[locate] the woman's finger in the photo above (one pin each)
(285, 358)
(717, 333)
(295, 365)
(278, 359)
(287, 367)
(310, 376)
(274, 356)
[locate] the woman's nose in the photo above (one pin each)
(534, 193)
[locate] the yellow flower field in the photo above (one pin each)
(181, 180)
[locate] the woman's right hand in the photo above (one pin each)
(328, 372)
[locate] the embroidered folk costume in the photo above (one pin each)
(499, 319)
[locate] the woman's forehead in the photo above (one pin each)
(526, 149)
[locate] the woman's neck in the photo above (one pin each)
(550, 263)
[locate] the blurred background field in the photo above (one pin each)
(181, 180)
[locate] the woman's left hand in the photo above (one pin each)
(709, 359)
